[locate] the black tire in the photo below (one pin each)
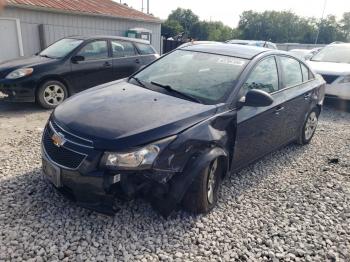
(196, 200)
(305, 137)
(58, 91)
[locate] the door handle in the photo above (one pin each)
(107, 64)
(307, 96)
(278, 109)
(137, 61)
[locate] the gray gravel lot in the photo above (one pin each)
(293, 205)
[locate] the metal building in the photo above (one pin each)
(28, 26)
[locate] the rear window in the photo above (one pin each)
(145, 49)
(122, 48)
(292, 71)
(305, 72)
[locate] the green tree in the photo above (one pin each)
(286, 26)
(171, 28)
(345, 25)
(185, 17)
(211, 31)
(330, 31)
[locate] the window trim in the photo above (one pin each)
(89, 42)
(137, 54)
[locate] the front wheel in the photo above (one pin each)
(309, 127)
(202, 196)
(51, 94)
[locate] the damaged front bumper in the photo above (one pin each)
(98, 190)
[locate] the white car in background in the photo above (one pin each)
(305, 54)
(260, 43)
(333, 63)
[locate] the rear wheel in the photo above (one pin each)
(309, 127)
(202, 196)
(51, 94)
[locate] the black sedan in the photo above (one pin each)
(173, 131)
(72, 65)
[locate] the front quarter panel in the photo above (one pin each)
(217, 131)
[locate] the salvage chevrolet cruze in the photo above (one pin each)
(172, 131)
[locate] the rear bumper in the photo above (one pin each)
(18, 90)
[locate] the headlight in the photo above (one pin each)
(345, 79)
(141, 158)
(22, 72)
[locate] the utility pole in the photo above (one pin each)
(147, 6)
(142, 7)
(319, 27)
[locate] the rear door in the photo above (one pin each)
(126, 60)
(96, 67)
(297, 90)
(259, 129)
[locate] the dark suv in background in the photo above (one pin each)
(71, 65)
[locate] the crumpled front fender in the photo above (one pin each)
(182, 181)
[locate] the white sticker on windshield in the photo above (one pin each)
(230, 61)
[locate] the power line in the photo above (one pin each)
(319, 27)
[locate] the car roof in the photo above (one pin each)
(92, 37)
(242, 51)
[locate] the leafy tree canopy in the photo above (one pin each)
(279, 27)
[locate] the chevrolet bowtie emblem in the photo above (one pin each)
(58, 139)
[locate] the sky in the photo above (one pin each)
(228, 11)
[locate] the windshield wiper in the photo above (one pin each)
(138, 81)
(172, 90)
(46, 56)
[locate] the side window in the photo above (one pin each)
(305, 72)
(292, 71)
(264, 77)
(122, 48)
(94, 50)
(145, 49)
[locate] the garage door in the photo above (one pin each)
(9, 42)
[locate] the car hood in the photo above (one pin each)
(24, 62)
(121, 115)
(328, 68)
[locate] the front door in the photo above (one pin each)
(125, 59)
(96, 67)
(259, 128)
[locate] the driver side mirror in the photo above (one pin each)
(256, 98)
(78, 58)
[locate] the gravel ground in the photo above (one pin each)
(293, 205)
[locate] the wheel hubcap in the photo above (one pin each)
(212, 182)
(311, 125)
(54, 95)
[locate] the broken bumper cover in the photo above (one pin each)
(98, 190)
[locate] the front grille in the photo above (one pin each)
(71, 137)
(330, 78)
(60, 155)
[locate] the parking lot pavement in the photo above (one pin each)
(293, 205)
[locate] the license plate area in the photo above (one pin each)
(52, 173)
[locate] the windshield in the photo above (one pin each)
(61, 48)
(208, 77)
(334, 54)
